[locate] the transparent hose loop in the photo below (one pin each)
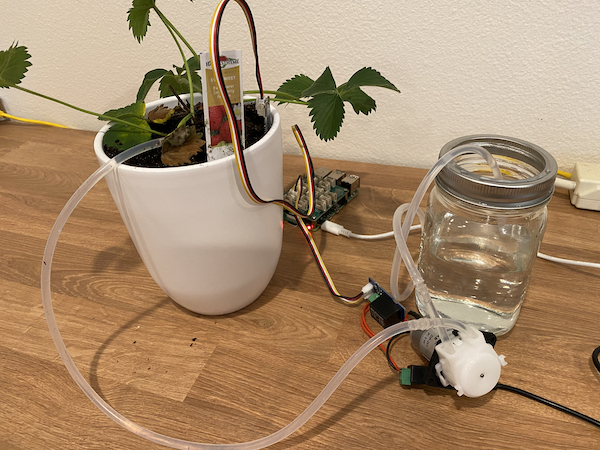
(421, 324)
(402, 228)
(397, 261)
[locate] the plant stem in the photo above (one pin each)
(183, 105)
(290, 99)
(185, 63)
(184, 120)
(294, 102)
(101, 116)
(169, 25)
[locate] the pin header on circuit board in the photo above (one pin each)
(333, 189)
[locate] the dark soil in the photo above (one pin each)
(255, 130)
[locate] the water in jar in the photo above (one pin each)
(477, 267)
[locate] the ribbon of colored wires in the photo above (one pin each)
(238, 147)
(369, 332)
(322, 268)
(236, 136)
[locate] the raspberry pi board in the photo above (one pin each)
(333, 189)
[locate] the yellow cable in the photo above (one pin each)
(562, 173)
(39, 122)
(298, 190)
(321, 264)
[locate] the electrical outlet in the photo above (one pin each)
(586, 194)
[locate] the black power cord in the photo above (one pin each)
(595, 360)
(546, 402)
(505, 387)
(389, 346)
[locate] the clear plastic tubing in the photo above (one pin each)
(402, 228)
(421, 324)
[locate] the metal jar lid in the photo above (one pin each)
(481, 190)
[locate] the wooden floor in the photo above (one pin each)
(245, 375)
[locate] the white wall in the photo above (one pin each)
(528, 69)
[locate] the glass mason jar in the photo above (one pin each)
(482, 235)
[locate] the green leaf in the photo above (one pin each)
(360, 101)
(179, 83)
(196, 82)
(123, 136)
(160, 114)
(136, 111)
(324, 84)
(193, 64)
(327, 111)
(149, 79)
(295, 86)
(369, 77)
(13, 65)
(138, 17)
(176, 82)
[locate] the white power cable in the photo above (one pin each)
(337, 229)
(565, 184)
(571, 262)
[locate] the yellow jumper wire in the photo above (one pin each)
(564, 174)
(39, 122)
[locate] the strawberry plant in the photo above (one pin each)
(324, 98)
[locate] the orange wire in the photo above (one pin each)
(367, 329)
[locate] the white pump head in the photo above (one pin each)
(469, 364)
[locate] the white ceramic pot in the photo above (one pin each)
(205, 243)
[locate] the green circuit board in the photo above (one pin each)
(333, 190)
